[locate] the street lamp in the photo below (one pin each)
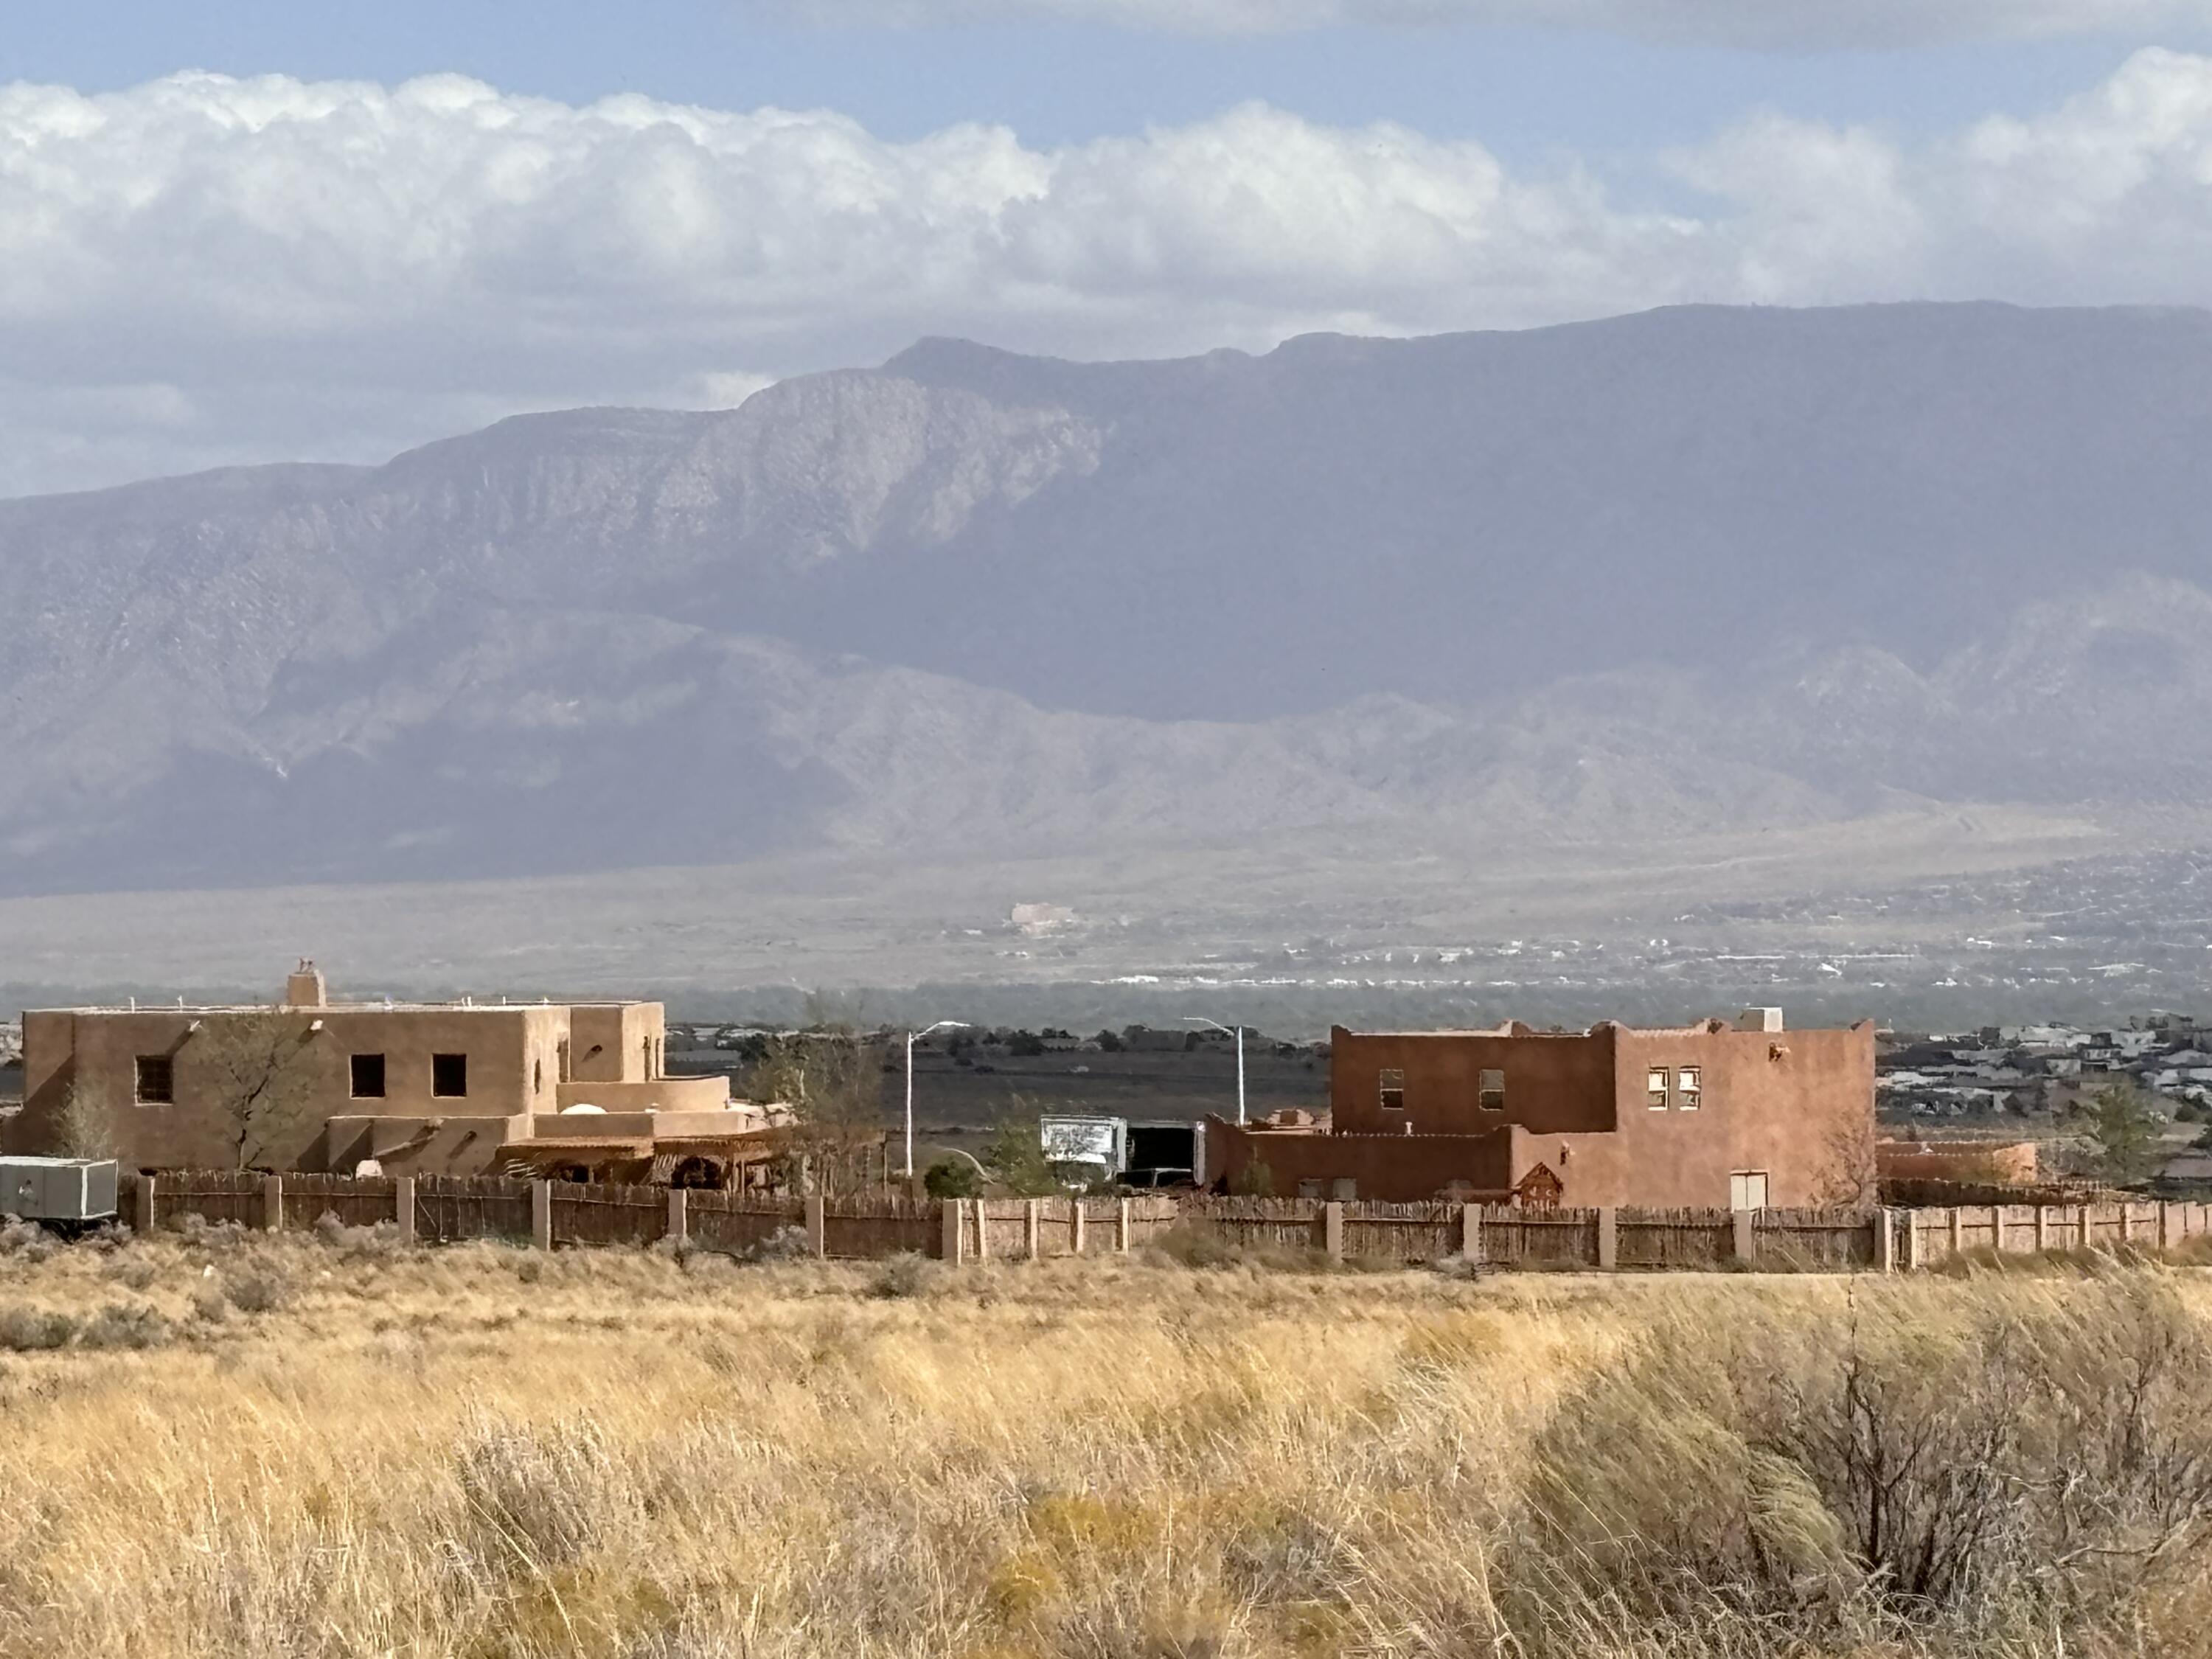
(1237, 1031)
(940, 1026)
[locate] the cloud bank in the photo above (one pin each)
(1757, 24)
(203, 269)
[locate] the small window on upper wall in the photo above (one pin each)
(1654, 1088)
(1490, 1091)
(157, 1079)
(1689, 1089)
(1394, 1090)
(368, 1077)
(449, 1076)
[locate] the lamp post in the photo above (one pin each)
(940, 1026)
(1237, 1031)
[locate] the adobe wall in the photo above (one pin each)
(1995, 1162)
(1554, 1082)
(616, 1042)
(1398, 1168)
(1797, 1106)
(97, 1052)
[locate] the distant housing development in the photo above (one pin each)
(1743, 1114)
(308, 1084)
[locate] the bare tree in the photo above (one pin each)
(260, 1073)
(85, 1125)
(831, 1078)
(1846, 1179)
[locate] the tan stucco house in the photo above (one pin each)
(573, 1088)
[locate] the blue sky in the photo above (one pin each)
(240, 230)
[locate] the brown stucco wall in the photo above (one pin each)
(1397, 1168)
(1797, 1106)
(1554, 1081)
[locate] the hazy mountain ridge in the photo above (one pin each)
(1694, 570)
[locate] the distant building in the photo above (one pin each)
(1709, 1116)
(447, 1088)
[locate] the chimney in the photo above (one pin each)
(1759, 1019)
(303, 986)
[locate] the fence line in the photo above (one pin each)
(446, 1209)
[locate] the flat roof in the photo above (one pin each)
(378, 1006)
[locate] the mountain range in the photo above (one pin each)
(1693, 570)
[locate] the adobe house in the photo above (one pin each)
(414, 1088)
(1716, 1114)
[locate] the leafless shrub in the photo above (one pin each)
(126, 1325)
(906, 1275)
(32, 1330)
(26, 1241)
(1973, 1476)
(255, 1292)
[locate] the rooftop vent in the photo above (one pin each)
(1759, 1019)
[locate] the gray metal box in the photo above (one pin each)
(58, 1188)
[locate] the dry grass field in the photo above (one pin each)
(304, 1446)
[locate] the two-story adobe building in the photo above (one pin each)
(1739, 1114)
(440, 1088)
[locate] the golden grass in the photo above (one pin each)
(482, 1451)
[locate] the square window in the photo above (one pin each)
(157, 1078)
(1689, 1089)
(368, 1076)
(1654, 1088)
(1394, 1090)
(1490, 1091)
(449, 1076)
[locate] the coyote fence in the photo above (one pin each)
(446, 1209)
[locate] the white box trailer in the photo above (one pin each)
(60, 1190)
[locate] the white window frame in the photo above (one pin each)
(1385, 1086)
(1655, 1093)
(1689, 1088)
(1485, 1088)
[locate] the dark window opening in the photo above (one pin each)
(157, 1078)
(368, 1076)
(1490, 1091)
(449, 1076)
(536, 1076)
(1394, 1090)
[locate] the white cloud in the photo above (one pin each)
(203, 269)
(1760, 24)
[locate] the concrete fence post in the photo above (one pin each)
(982, 1229)
(679, 1215)
(1885, 1242)
(1331, 1230)
(1956, 1236)
(1075, 1223)
(541, 1214)
(2082, 1221)
(1121, 1227)
(1033, 1220)
(2042, 1228)
(1912, 1250)
(272, 1202)
(403, 1207)
(141, 1221)
(1608, 1239)
(817, 1213)
(2127, 1222)
(952, 1230)
(1739, 1235)
(1470, 1231)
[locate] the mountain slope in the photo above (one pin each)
(1687, 570)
